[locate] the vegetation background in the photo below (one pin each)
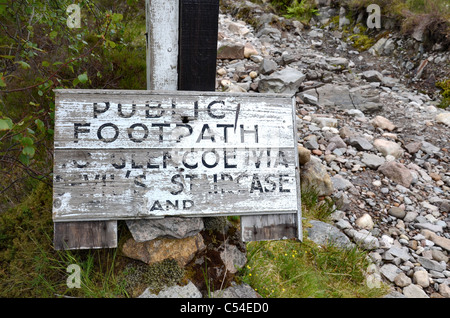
(39, 53)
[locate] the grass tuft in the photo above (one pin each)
(291, 269)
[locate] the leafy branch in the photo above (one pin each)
(99, 42)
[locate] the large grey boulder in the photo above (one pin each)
(314, 175)
(342, 97)
(333, 95)
(267, 66)
(169, 227)
(324, 234)
(286, 81)
(372, 76)
(397, 172)
(372, 161)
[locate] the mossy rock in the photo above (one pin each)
(140, 276)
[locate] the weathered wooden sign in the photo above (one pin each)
(149, 154)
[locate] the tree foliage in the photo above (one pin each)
(40, 52)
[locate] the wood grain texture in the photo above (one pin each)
(162, 19)
(269, 227)
(85, 235)
(232, 161)
(127, 119)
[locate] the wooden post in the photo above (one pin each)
(199, 21)
(162, 18)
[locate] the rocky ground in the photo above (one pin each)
(370, 134)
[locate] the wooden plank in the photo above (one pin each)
(237, 158)
(87, 119)
(97, 119)
(198, 44)
(85, 235)
(269, 227)
(162, 18)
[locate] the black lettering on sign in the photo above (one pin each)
(202, 136)
(187, 204)
(268, 158)
(229, 177)
(225, 158)
(238, 180)
(77, 130)
(100, 111)
(147, 111)
(138, 182)
(134, 165)
(257, 157)
(183, 136)
(156, 206)
(282, 179)
(214, 184)
(225, 126)
(160, 130)
(216, 161)
(180, 184)
(243, 132)
(78, 165)
(184, 160)
(170, 205)
(196, 109)
(118, 166)
(100, 129)
(256, 184)
(191, 177)
(131, 130)
(151, 166)
(210, 113)
(273, 183)
(166, 155)
(281, 160)
(121, 114)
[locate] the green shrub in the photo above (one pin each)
(302, 10)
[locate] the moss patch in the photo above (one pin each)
(445, 86)
(361, 42)
(26, 233)
(139, 276)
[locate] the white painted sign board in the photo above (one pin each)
(149, 154)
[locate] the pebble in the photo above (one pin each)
(397, 212)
